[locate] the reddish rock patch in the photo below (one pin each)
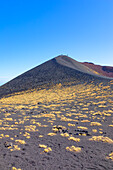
(102, 70)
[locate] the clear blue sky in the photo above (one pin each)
(33, 31)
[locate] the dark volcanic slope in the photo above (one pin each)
(52, 71)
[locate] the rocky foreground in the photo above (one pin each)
(63, 127)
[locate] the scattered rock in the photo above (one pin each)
(60, 129)
(44, 111)
(8, 144)
(82, 132)
(30, 113)
(39, 103)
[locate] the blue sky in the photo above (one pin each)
(32, 32)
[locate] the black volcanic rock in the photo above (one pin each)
(50, 72)
(107, 69)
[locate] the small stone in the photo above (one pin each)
(8, 144)
(39, 103)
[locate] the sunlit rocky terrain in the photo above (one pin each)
(65, 125)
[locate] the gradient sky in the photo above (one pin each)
(34, 31)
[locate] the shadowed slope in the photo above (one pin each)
(57, 70)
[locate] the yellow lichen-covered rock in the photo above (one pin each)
(14, 168)
(31, 128)
(64, 134)
(101, 138)
(82, 127)
(110, 156)
(67, 119)
(42, 146)
(55, 129)
(95, 124)
(51, 134)
(73, 149)
(15, 147)
(111, 125)
(75, 139)
(70, 124)
(20, 141)
(47, 150)
(94, 130)
(85, 121)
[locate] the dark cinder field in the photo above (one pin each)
(63, 122)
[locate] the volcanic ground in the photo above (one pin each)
(58, 115)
